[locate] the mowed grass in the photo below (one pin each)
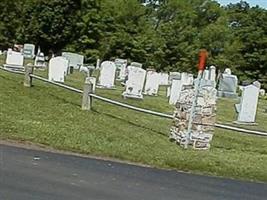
(52, 116)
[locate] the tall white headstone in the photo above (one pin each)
(135, 83)
(163, 78)
(173, 75)
(212, 73)
(152, 83)
(175, 91)
(249, 101)
(58, 68)
(107, 75)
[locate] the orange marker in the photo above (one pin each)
(203, 55)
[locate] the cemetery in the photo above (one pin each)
(49, 115)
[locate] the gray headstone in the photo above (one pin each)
(227, 86)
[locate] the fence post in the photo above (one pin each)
(87, 99)
(28, 78)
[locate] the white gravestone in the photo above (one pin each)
(175, 91)
(136, 64)
(97, 63)
(135, 83)
(121, 65)
(58, 68)
(40, 60)
(152, 83)
(163, 78)
(228, 71)
(206, 74)
(249, 101)
(173, 75)
(14, 59)
(190, 79)
(75, 60)
(107, 75)
(262, 92)
(212, 76)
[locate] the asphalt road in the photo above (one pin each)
(36, 175)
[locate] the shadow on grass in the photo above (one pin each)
(129, 122)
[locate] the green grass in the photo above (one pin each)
(52, 116)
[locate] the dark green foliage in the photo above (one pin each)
(165, 35)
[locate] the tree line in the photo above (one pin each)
(163, 34)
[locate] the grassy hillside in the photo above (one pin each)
(52, 116)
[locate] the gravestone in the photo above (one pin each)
(75, 60)
(228, 71)
(121, 65)
(163, 78)
(227, 86)
(262, 92)
(248, 106)
(135, 83)
(14, 59)
(58, 68)
(152, 83)
(176, 88)
(136, 64)
(39, 61)
(206, 74)
(97, 63)
(29, 51)
(173, 75)
(107, 75)
(190, 79)
(212, 73)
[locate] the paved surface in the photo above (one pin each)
(35, 175)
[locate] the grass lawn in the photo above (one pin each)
(52, 116)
